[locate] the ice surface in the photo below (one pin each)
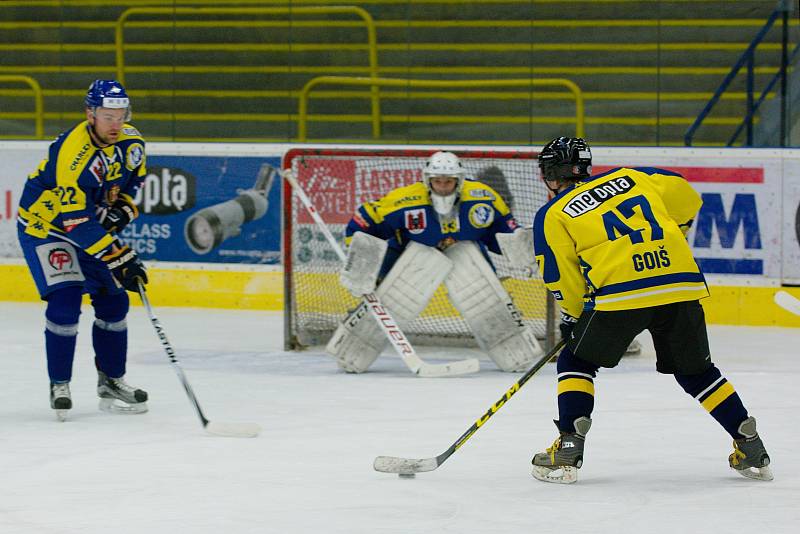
(655, 463)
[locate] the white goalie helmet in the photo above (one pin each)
(444, 164)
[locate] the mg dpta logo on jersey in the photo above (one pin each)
(594, 197)
(60, 259)
(416, 221)
(165, 191)
(481, 215)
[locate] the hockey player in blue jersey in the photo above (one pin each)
(422, 235)
(612, 250)
(71, 209)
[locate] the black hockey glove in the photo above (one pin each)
(126, 267)
(117, 217)
(566, 326)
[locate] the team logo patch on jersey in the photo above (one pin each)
(59, 263)
(416, 221)
(481, 215)
(130, 130)
(112, 194)
(134, 156)
(98, 169)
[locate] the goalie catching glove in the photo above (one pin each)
(363, 265)
(125, 266)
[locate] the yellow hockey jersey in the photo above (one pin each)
(616, 241)
(62, 196)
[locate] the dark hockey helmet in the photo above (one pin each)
(566, 159)
(108, 94)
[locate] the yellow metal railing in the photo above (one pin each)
(302, 112)
(37, 98)
(369, 23)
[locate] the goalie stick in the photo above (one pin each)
(788, 302)
(409, 466)
(381, 314)
(232, 430)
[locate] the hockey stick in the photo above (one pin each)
(381, 314)
(788, 302)
(233, 430)
(409, 466)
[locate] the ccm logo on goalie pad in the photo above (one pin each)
(356, 316)
(515, 314)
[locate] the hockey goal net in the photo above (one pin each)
(338, 181)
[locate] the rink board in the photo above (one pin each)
(262, 289)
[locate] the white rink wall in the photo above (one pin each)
(746, 237)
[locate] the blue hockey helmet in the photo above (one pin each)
(108, 94)
(566, 159)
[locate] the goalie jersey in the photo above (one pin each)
(62, 197)
(406, 214)
(616, 241)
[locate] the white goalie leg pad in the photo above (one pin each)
(357, 341)
(487, 308)
(364, 260)
(412, 281)
(405, 292)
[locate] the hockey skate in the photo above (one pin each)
(749, 457)
(560, 462)
(117, 396)
(60, 399)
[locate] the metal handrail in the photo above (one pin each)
(302, 113)
(37, 98)
(748, 58)
(372, 40)
(748, 119)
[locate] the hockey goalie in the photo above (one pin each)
(422, 235)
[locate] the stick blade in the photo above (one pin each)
(405, 466)
(461, 367)
(233, 430)
(786, 301)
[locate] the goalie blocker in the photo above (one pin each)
(473, 289)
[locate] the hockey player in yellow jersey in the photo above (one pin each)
(612, 250)
(71, 210)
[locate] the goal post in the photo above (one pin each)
(338, 180)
